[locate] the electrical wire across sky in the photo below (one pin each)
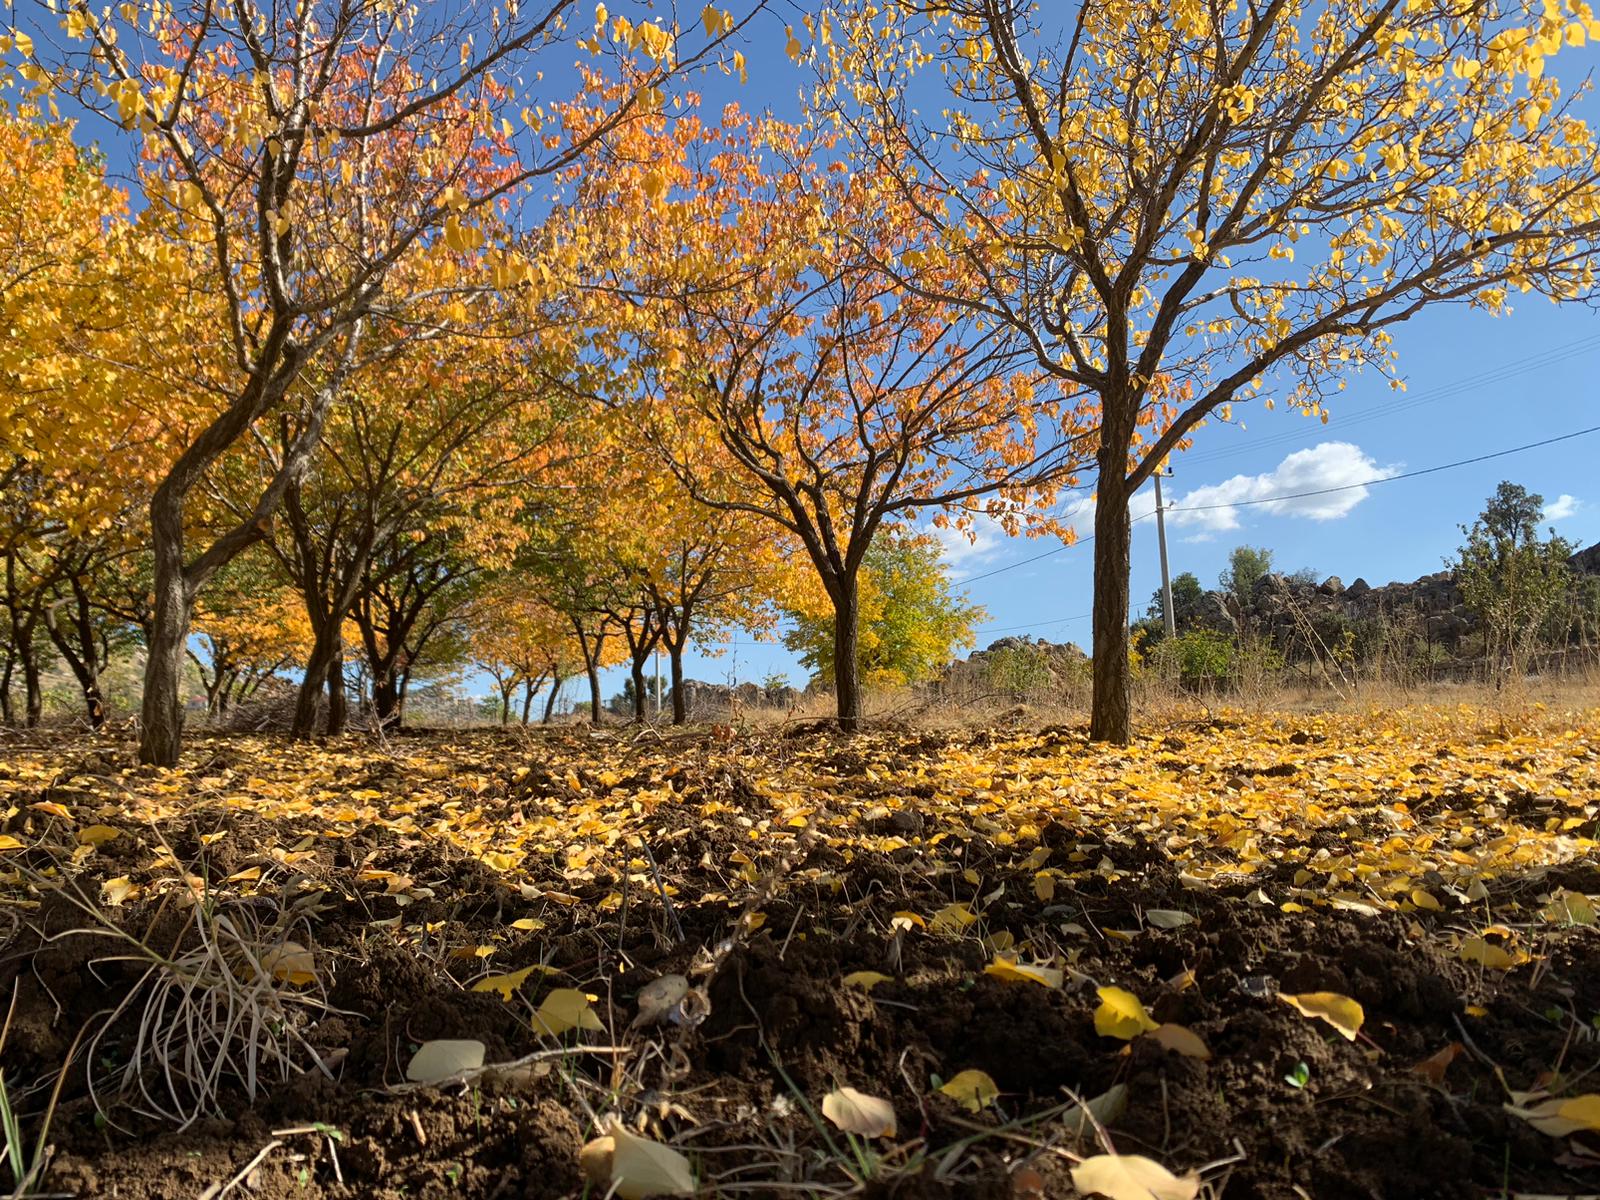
(1328, 491)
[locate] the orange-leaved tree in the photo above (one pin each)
(1182, 207)
(309, 151)
(782, 373)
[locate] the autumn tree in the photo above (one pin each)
(522, 643)
(832, 401)
(249, 626)
(311, 151)
(1183, 207)
(912, 622)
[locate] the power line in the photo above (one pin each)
(1505, 371)
(1345, 487)
(1464, 462)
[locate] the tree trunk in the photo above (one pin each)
(528, 691)
(639, 707)
(1110, 717)
(6, 715)
(31, 681)
(161, 710)
(82, 658)
(846, 665)
(338, 706)
(386, 700)
(324, 652)
(550, 704)
(505, 706)
(593, 671)
(680, 702)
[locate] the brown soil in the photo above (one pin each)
(783, 1030)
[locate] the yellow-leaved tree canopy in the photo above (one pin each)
(1182, 207)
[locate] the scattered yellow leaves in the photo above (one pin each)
(508, 983)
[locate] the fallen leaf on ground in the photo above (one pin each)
(858, 1113)
(629, 1167)
(1181, 1040)
(1121, 1015)
(866, 980)
(1485, 953)
(564, 1009)
(505, 984)
(1434, 1066)
(1343, 1013)
(1558, 1117)
(1131, 1177)
(1167, 918)
(444, 1059)
(1004, 968)
(290, 963)
(972, 1089)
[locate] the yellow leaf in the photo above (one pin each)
(1121, 1015)
(118, 891)
(1004, 968)
(971, 1089)
(7, 842)
(905, 920)
(1343, 1013)
(952, 918)
(655, 185)
(1425, 900)
(1131, 1177)
(500, 860)
(508, 983)
(53, 808)
(1485, 953)
(856, 1112)
(1558, 1118)
(866, 980)
(564, 1009)
(1044, 886)
(290, 963)
(629, 1167)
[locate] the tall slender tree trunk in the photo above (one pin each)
(161, 708)
(528, 690)
(324, 651)
(1110, 718)
(593, 672)
(680, 702)
(6, 714)
(76, 643)
(550, 704)
(33, 685)
(846, 654)
(640, 708)
(338, 703)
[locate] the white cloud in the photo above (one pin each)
(1562, 507)
(964, 553)
(1341, 465)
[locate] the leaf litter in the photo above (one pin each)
(1422, 882)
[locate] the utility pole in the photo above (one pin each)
(1161, 537)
